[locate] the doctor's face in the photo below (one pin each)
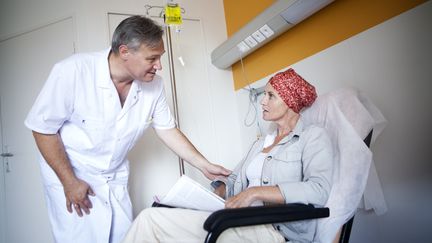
(274, 108)
(143, 63)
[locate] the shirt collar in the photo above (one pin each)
(298, 129)
(103, 75)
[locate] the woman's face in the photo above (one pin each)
(274, 108)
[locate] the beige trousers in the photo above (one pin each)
(182, 225)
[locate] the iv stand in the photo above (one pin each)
(171, 72)
(173, 88)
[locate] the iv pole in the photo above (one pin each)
(172, 75)
(173, 88)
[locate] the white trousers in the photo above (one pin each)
(109, 218)
(183, 225)
(108, 221)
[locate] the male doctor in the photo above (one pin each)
(91, 111)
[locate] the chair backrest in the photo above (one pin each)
(345, 232)
(348, 122)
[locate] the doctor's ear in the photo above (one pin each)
(124, 51)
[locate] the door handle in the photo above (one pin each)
(6, 155)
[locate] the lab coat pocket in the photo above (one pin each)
(288, 167)
(91, 131)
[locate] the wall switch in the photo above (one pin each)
(267, 31)
(243, 47)
(257, 35)
(250, 41)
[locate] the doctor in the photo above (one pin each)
(91, 111)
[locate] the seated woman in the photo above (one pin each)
(294, 164)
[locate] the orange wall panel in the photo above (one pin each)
(338, 21)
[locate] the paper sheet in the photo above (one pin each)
(187, 193)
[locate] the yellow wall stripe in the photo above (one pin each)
(337, 22)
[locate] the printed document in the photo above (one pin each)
(187, 193)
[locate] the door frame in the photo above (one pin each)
(3, 166)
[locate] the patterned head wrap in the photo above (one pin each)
(296, 92)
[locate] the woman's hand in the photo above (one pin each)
(243, 199)
(270, 194)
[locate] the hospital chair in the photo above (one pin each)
(350, 120)
(349, 117)
(224, 219)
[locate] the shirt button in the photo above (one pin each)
(265, 181)
(269, 157)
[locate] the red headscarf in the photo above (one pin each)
(296, 92)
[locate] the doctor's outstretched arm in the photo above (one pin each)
(76, 190)
(179, 143)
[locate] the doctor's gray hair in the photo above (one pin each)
(135, 31)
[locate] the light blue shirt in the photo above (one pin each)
(301, 165)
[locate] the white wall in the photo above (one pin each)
(392, 64)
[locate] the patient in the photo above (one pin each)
(293, 164)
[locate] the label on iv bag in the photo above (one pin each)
(173, 14)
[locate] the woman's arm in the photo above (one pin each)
(317, 159)
(270, 194)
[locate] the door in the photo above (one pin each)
(154, 168)
(25, 63)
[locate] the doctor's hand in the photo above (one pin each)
(212, 171)
(76, 193)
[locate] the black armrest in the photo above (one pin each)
(160, 205)
(223, 219)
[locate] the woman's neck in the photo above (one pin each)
(286, 125)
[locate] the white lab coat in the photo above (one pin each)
(79, 100)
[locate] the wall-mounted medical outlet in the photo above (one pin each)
(279, 17)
